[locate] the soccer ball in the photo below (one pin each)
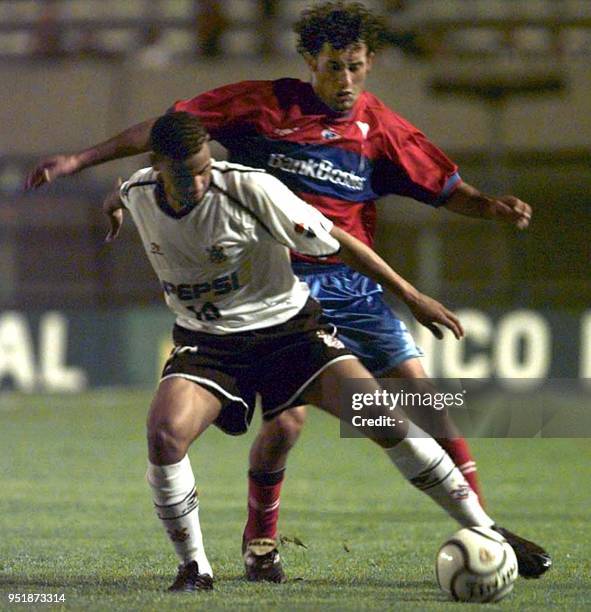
(476, 564)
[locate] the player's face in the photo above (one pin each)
(338, 75)
(186, 181)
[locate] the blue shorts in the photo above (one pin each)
(365, 323)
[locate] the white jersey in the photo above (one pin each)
(224, 265)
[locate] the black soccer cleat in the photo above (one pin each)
(262, 562)
(532, 560)
(189, 579)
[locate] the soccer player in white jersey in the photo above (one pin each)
(218, 236)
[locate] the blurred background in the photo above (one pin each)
(502, 86)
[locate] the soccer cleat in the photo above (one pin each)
(262, 562)
(189, 579)
(532, 560)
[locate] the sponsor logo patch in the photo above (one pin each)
(155, 249)
(218, 286)
(323, 170)
(300, 228)
(329, 135)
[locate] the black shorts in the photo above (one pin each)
(277, 362)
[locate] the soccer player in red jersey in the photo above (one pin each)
(245, 324)
(340, 149)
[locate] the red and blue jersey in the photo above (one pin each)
(340, 164)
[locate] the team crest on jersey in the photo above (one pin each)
(329, 135)
(300, 228)
(216, 254)
(330, 340)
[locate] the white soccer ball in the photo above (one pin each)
(476, 564)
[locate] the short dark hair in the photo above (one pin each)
(177, 135)
(340, 24)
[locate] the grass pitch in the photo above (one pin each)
(76, 516)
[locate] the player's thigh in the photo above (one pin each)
(326, 391)
(415, 379)
(411, 368)
(327, 394)
(438, 423)
(182, 408)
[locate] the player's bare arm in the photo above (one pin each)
(467, 200)
(132, 141)
(426, 310)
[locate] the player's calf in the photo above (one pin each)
(177, 506)
(430, 469)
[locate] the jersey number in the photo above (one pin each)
(209, 312)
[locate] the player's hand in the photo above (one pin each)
(113, 209)
(47, 170)
(428, 312)
(515, 211)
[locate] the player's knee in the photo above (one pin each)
(166, 441)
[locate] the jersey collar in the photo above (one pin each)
(166, 208)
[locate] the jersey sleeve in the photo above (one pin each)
(140, 177)
(124, 189)
(124, 192)
(226, 112)
(410, 165)
(287, 218)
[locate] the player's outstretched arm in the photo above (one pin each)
(467, 200)
(132, 141)
(426, 310)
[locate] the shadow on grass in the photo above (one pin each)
(406, 590)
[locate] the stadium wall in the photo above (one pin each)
(67, 351)
(67, 105)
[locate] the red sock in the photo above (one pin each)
(459, 451)
(264, 489)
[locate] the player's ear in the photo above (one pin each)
(311, 60)
(370, 57)
(154, 161)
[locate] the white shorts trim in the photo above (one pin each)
(208, 383)
(303, 386)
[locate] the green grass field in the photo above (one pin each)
(76, 516)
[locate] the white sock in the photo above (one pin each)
(430, 469)
(177, 506)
